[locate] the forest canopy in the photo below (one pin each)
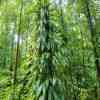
(49, 49)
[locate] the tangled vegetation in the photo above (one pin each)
(49, 50)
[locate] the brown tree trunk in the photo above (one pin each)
(17, 59)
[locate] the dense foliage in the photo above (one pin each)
(49, 50)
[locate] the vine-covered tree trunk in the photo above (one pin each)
(94, 43)
(46, 52)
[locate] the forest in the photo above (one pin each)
(49, 49)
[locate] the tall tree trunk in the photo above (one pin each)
(94, 41)
(12, 50)
(45, 54)
(17, 59)
(44, 31)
